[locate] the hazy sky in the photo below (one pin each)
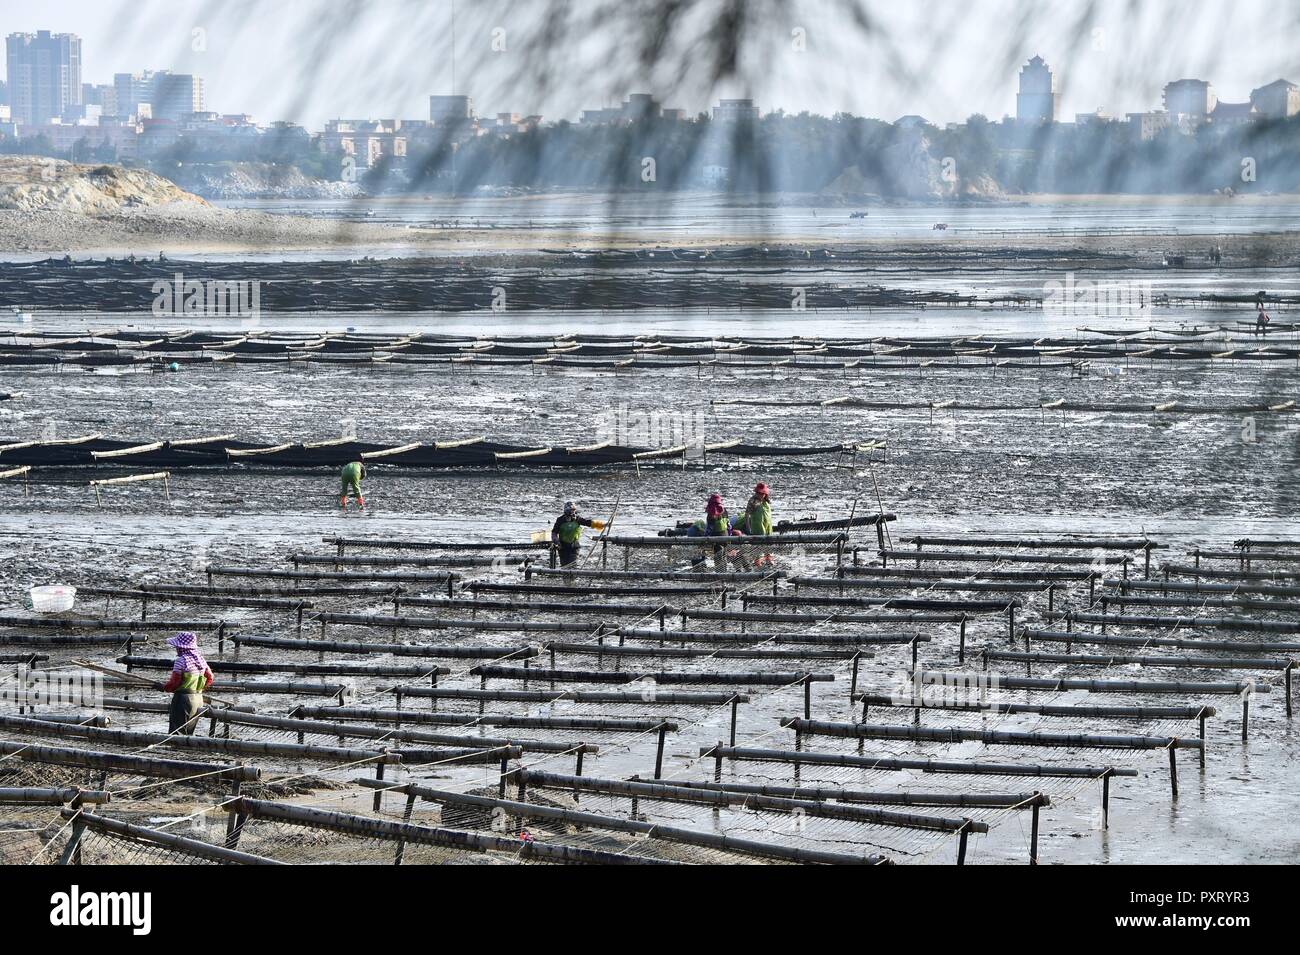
(309, 60)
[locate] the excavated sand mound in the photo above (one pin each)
(32, 183)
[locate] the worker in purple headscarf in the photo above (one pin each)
(191, 675)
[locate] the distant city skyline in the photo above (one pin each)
(386, 59)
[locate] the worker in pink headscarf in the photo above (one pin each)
(717, 522)
(191, 675)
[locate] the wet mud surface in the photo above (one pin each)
(1186, 480)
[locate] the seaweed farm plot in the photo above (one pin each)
(821, 696)
(95, 451)
(1068, 354)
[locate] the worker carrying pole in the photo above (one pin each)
(191, 675)
(566, 534)
(352, 474)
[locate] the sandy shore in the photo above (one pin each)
(182, 229)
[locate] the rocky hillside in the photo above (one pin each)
(35, 183)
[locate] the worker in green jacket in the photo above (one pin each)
(757, 521)
(758, 512)
(352, 474)
(566, 533)
(717, 522)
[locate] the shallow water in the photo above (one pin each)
(705, 324)
(683, 215)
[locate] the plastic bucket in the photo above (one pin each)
(54, 598)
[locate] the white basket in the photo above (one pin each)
(53, 599)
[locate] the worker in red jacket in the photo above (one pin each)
(1261, 322)
(191, 675)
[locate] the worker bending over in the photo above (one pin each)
(191, 675)
(717, 522)
(567, 533)
(352, 474)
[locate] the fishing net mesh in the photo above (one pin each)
(773, 689)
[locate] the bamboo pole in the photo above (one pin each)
(1002, 557)
(326, 669)
(636, 697)
(362, 731)
(386, 561)
(116, 762)
(203, 744)
(1256, 575)
(1040, 709)
(1142, 640)
(368, 827)
(272, 573)
(963, 767)
(1200, 587)
(477, 587)
(79, 623)
(908, 574)
(1240, 624)
(667, 792)
(1034, 543)
(703, 573)
(447, 651)
(323, 590)
(1000, 737)
(852, 582)
(167, 840)
(386, 621)
(605, 724)
(770, 636)
(751, 653)
(651, 830)
(971, 606)
(163, 476)
(908, 797)
(1208, 601)
(810, 619)
(387, 543)
(218, 600)
(46, 796)
(667, 677)
(1099, 660)
(66, 639)
(766, 541)
(139, 680)
(940, 678)
(25, 473)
